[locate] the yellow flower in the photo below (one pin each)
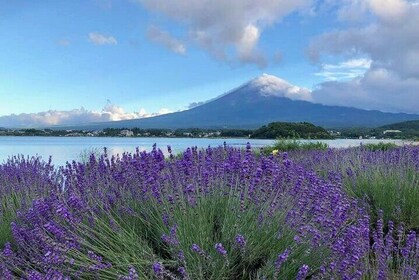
(274, 152)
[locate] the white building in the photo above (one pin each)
(126, 133)
(391, 131)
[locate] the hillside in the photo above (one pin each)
(408, 129)
(284, 130)
(403, 126)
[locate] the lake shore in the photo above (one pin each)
(63, 149)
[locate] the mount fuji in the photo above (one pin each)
(260, 101)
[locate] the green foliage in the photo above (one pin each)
(285, 145)
(87, 153)
(10, 204)
(119, 241)
(240, 133)
(379, 146)
(394, 190)
(296, 130)
(382, 176)
(408, 125)
(136, 240)
(13, 197)
(355, 132)
(408, 130)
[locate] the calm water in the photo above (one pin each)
(64, 149)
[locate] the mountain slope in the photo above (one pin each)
(263, 100)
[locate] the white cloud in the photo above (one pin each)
(159, 36)
(389, 38)
(110, 112)
(385, 10)
(389, 9)
(164, 111)
(219, 25)
(247, 46)
(269, 85)
(196, 104)
(101, 39)
(378, 89)
(345, 70)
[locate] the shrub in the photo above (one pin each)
(218, 213)
(379, 146)
(212, 214)
(22, 180)
(385, 180)
(285, 145)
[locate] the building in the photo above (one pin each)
(126, 133)
(391, 131)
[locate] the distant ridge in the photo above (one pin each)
(261, 101)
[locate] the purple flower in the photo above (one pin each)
(260, 190)
(182, 271)
(132, 275)
(158, 268)
(240, 241)
(281, 259)
(302, 273)
(220, 249)
(181, 256)
(7, 251)
(196, 248)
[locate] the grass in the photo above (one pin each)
(9, 206)
(15, 196)
(285, 145)
(395, 191)
(136, 241)
(381, 146)
(382, 176)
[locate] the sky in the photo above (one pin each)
(99, 60)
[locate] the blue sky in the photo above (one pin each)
(148, 55)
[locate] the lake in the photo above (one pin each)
(64, 149)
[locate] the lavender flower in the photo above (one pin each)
(302, 273)
(240, 241)
(196, 248)
(281, 259)
(158, 268)
(142, 194)
(220, 249)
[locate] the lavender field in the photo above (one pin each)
(215, 213)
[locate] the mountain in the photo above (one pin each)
(261, 101)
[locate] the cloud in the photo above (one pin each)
(164, 111)
(386, 10)
(195, 104)
(110, 112)
(389, 39)
(378, 89)
(163, 38)
(345, 70)
(101, 39)
(220, 26)
(269, 85)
